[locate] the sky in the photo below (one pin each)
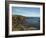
(26, 11)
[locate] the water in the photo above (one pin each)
(34, 21)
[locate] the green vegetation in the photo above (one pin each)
(17, 23)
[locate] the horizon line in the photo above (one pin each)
(28, 16)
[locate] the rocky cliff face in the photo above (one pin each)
(17, 23)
